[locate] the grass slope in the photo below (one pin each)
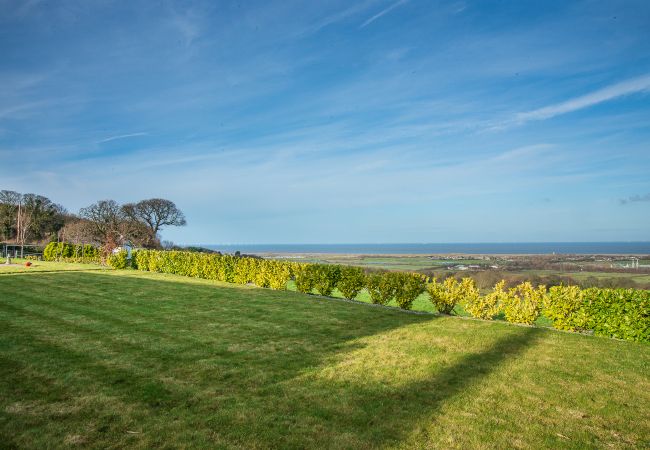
(109, 359)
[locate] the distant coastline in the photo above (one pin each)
(512, 248)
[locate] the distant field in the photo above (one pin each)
(442, 266)
(394, 262)
(114, 359)
(640, 278)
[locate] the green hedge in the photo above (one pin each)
(118, 260)
(326, 277)
(212, 266)
(352, 280)
(304, 275)
(450, 292)
(380, 288)
(619, 313)
(407, 287)
(63, 251)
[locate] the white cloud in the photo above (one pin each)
(121, 136)
(382, 13)
(339, 16)
(621, 89)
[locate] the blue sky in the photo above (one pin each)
(337, 121)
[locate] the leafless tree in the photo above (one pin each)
(105, 217)
(79, 232)
(113, 224)
(155, 213)
(24, 222)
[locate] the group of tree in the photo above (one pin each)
(110, 223)
(31, 218)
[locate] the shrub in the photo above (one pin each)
(141, 258)
(209, 268)
(118, 260)
(227, 268)
(380, 288)
(617, 313)
(438, 296)
(564, 306)
(51, 251)
(488, 306)
(246, 270)
(326, 277)
(523, 303)
(63, 251)
(352, 280)
(304, 275)
(407, 287)
(280, 274)
(446, 295)
(261, 272)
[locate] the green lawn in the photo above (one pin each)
(18, 266)
(113, 359)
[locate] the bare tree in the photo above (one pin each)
(79, 232)
(24, 222)
(112, 224)
(105, 217)
(155, 213)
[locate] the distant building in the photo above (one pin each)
(128, 246)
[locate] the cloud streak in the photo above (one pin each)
(632, 86)
(382, 13)
(338, 17)
(121, 136)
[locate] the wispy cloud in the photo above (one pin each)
(121, 136)
(635, 199)
(22, 110)
(339, 16)
(382, 13)
(611, 92)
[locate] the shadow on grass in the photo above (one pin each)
(403, 408)
(180, 348)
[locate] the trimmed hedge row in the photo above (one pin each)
(322, 279)
(616, 313)
(619, 313)
(64, 251)
(227, 268)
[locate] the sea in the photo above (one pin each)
(520, 248)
